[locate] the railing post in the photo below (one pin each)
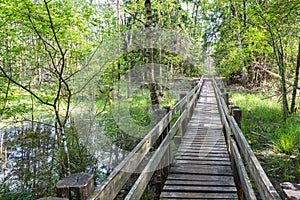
(184, 121)
(226, 98)
(163, 168)
(236, 112)
(158, 115)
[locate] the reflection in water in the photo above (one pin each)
(32, 161)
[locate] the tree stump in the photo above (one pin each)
(76, 186)
(291, 190)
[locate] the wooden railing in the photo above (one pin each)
(242, 155)
(161, 134)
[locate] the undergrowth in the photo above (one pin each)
(274, 140)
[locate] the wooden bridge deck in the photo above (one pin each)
(202, 167)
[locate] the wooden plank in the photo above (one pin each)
(202, 166)
(203, 149)
(204, 162)
(191, 149)
(210, 171)
(207, 158)
(208, 153)
(202, 154)
(210, 146)
(197, 195)
(206, 144)
(198, 183)
(202, 178)
(191, 188)
(204, 138)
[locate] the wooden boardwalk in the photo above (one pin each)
(202, 167)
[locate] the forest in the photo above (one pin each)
(71, 71)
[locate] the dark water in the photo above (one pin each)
(32, 157)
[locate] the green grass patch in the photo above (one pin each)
(274, 140)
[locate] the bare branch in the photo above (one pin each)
(24, 88)
(135, 16)
(39, 35)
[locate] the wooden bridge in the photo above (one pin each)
(202, 168)
(202, 154)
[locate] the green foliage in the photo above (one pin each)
(264, 116)
(140, 109)
(19, 193)
(44, 49)
(274, 140)
(287, 137)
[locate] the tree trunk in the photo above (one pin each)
(278, 50)
(296, 79)
(239, 40)
(149, 55)
(283, 86)
(119, 48)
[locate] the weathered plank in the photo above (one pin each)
(211, 171)
(203, 178)
(192, 188)
(204, 162)
(201, 154)
(197, 195)
(199, 182)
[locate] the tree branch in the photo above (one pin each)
(24, 88)
(135, 16)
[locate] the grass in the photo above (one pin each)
(274, 140)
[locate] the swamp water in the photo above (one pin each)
(32, 159)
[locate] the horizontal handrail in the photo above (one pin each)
(120, 175)
(239, 146)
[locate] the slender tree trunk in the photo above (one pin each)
(119, 48)
(278, 50)
(245, 12)
(149, 54)
(239, 40)
(196, 15)
(296, 79)
(284, 90)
